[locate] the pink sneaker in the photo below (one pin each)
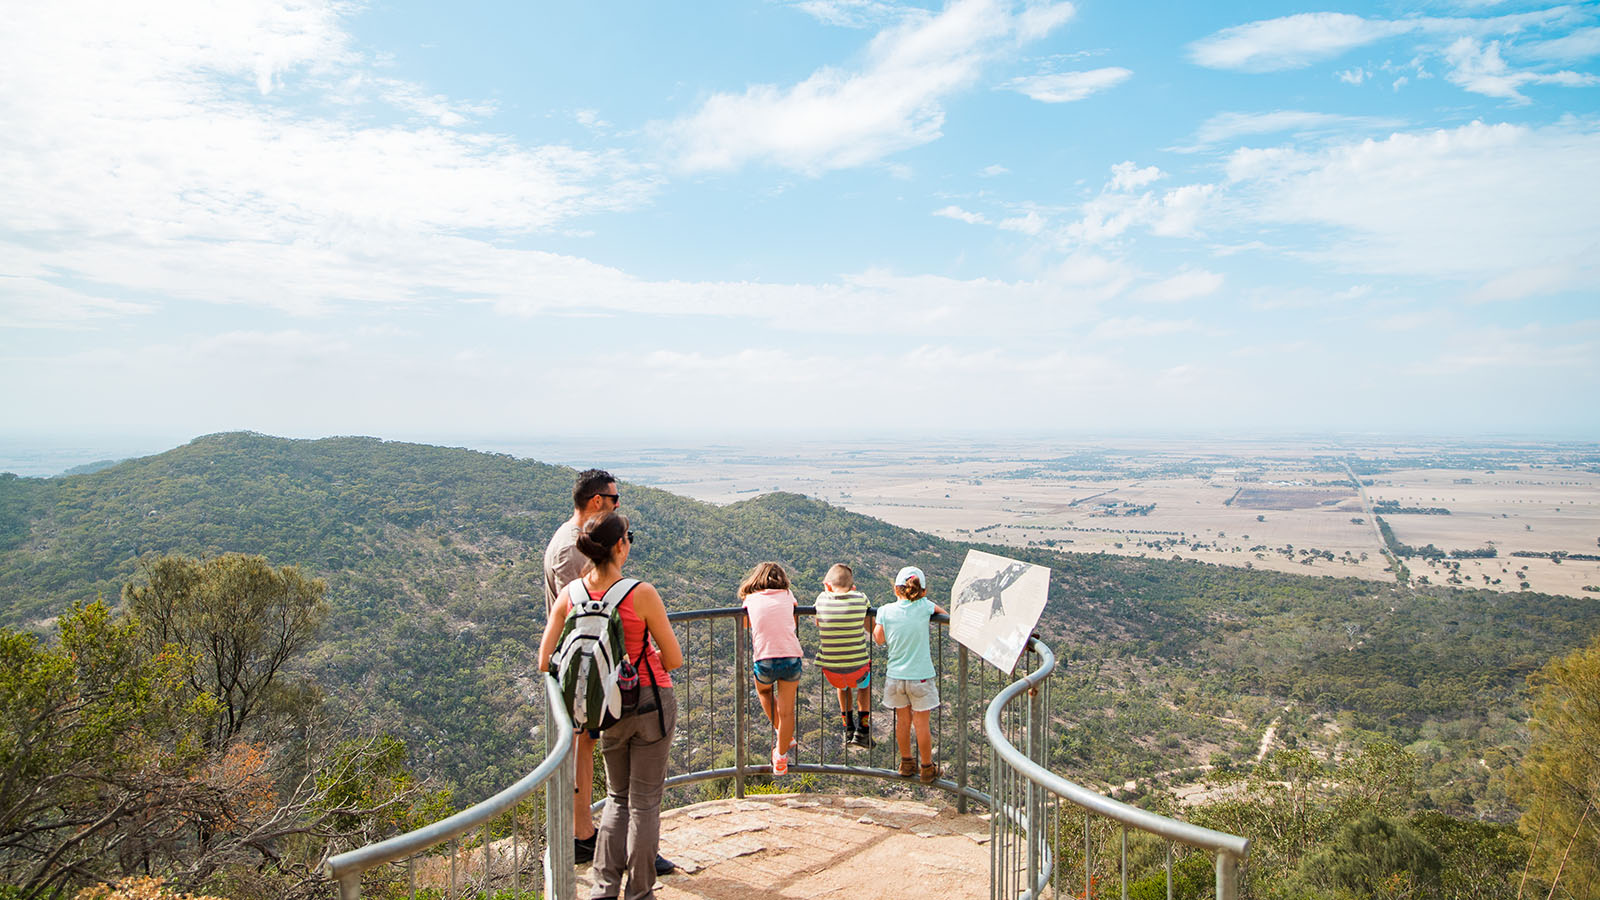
(780, 763)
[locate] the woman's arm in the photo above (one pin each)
(552, 631)
(877, 634)
(647, 603)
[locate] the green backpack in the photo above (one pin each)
(590, 661)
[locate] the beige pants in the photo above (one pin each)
(635, 751)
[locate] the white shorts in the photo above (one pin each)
(921, 695)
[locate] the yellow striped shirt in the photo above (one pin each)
(841, 625)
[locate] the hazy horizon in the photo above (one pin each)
(34, 455)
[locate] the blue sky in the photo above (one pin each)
(824, 217)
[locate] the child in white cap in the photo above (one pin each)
(910, 687)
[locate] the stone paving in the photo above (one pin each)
(820, 846)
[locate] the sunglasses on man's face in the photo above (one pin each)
(614, 498)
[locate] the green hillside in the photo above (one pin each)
(433, 561)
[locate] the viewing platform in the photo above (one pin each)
(998, 823)
(819, 846)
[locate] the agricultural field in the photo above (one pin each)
(1280, 505)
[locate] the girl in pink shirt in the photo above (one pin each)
(770, 616)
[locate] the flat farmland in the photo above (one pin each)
(1527, 510)
(1285, 505)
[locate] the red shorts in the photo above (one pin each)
(855, 678)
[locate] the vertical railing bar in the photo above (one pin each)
(961, 729)
(1031, 790)
(1227, 876)
(411, 876)
(1124, 862)
(1169, 870)
(711, 668)
(516, 860)
(486, 869)
(938, 711)
(822, 710)
(740, 713)
(455, 844)
(1088, 861)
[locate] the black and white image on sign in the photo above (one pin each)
(994, 605)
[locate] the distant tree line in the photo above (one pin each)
(1394, 507)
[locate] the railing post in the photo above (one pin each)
(962, 698)
(350, 888)
(1033, 833)
(559, 880)
(739, 688)
(1227, 877)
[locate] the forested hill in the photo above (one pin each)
(433, 558)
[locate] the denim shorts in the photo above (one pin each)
(779, 668)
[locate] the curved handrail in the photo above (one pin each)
(351, 864)
(346, 868)
(1230, 849)
(1133, 816)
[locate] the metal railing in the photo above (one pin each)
(1030, 838)
(554, 773)
(1032, 846)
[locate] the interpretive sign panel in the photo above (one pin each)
(994, 605)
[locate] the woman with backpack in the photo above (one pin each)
(635, 746)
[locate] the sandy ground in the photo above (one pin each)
(797, 845)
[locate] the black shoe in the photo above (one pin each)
(583, 849)
(665, 866)
(850, 737)
(863, 739)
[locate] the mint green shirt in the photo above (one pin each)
(905, 631)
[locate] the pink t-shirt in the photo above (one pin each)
(772, 624)
(634, 633)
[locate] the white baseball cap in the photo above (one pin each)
(908, 573)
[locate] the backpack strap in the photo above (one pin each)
(578, 593)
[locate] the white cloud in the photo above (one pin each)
(1118, 207)
(143, 155)
(1065, 87)
(1125, 176)
(1296, 41)
(961, 215)
(1474, 202)
(1353, 76)
(1224, 127)
(1502, 354)
(1030, 223)
(1290, 42)
(1138, 327)
(1480, 69)
(854, 13)
(1583, 43)
(1040, 17)
(839, 118)
(992, 171)
(1178, 214)
(1182, 286)
(1537, 280)
(36, 303)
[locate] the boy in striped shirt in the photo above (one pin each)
(843, 621)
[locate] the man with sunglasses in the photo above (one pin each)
(595, 494)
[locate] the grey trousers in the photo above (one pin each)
(635, 751)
